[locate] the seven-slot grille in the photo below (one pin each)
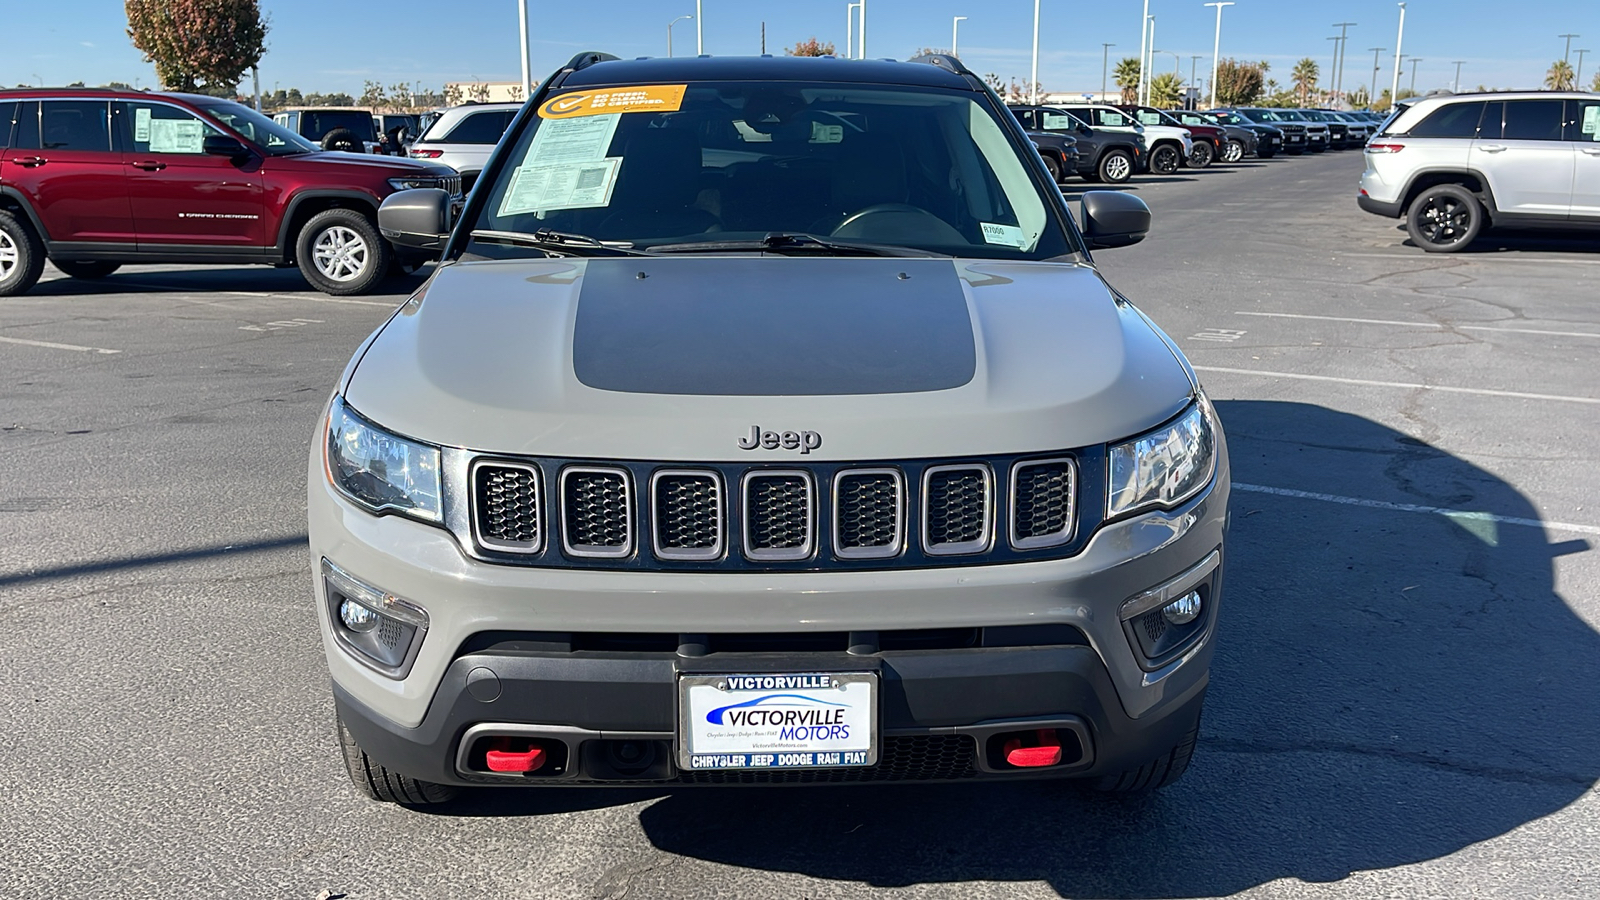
(780, 518)
(596, 512)
(686, 514)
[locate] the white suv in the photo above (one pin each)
(1169, 145)
(1451, 165)
(463, 136)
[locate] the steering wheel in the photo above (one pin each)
(897, 222)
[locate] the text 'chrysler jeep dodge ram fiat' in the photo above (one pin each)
(766, 422)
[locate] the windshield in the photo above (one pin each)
(253, 126)
(1230, 119)
(726, 162)
(316, 124)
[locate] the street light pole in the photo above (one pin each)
(1033, 77)
(1146, 68)
(1333, 66)
(1414, 61)
(669, 33)
(1399, 41)
(1577, 79)
(850, 30)
(861, 32)
(955, 32)
(1144, 30)
(1338, 72)
(527, 65)
(1456, 85)
(1105, 66)
(1216, 48)
(699, 30)
(1372, 96)
(1567, 56)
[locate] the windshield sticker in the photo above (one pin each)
(564, 141)
(1004, 235)
(176, 136)
(141, 124)
(826, 134)
(578, 185)
(646, 98)
(1591, 120)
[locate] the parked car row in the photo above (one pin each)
(1112, 143)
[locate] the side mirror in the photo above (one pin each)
(1084, 129)
(418, 218)
(1111, 219)
(222, 145)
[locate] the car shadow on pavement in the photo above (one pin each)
(207, 279)
(1391, 686)
(1492, 241)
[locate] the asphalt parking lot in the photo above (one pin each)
(1403, 701)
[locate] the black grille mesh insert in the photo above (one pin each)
(1042, 506)
(688, 507)
(869, 510)
(931, 757)
(777, 514)
(957, 507)
(507, 504)
(596, 510)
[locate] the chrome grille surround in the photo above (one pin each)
(760, 543)
(663, 488)
(1025, 503)
(844, 521)
(603, 478)
(481, 507)
(937, 483)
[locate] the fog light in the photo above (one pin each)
(1183, 610)
(356, 617)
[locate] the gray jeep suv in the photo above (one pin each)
(766, 422)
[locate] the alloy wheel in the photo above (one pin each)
(9, 256)
(340, 253)
(1164, 160)
(1233, 152)
(1444, 220)
(1117, 168)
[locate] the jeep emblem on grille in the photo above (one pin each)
(804, 441)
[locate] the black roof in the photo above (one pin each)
(764, 68)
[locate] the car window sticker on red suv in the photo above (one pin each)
(158, 128)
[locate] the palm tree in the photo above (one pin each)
(1127, 78)
(1560, 77)
(1166, 91)
(1305, 78)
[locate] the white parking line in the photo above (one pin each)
(1485, 392)
(1494, 328)
(1460, 515)
(54, 346)
(310, 297)
(1480, 257)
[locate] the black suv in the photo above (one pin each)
(1109, 156)
(350, 130)
(1059, 152)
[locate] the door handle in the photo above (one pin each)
(1592, 151)
(1491, 148)
(29, 162)
(149, 165)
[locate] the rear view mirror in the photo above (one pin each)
(1114, 219)
(419, 217)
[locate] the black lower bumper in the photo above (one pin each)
(1390, 210)
(941, 714)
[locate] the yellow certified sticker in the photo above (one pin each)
(645, 98)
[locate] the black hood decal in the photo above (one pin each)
(773, 326)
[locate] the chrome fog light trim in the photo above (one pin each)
(1170, 591)
(390, 644)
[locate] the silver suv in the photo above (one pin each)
(462, 137)
(1453, 165)
(767, 421)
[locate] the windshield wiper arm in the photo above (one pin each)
(786, 241)
(558, 240)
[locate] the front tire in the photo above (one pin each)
(1232, 152)
(1053, 167)
(21, 256)
(1155, 774)
(340, 252)
(1444, 218)
(89, 271)
(376, 782)
(1164, 159)
(1116, 167)
(1201, 155)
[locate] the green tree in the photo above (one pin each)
(1560, 76)
(373, 94)
(1166, 91)
(1239, 84)
(1595, 84)
(995, 83)
(1305, 76)
(198, 43)
(1360, 98)
(1126, 76)
(810, 47)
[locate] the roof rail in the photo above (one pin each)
(943, 61)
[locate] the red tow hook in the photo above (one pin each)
(502, 759)
(1047, 753)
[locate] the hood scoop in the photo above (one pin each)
(773, 326)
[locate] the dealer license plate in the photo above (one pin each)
(771, 721)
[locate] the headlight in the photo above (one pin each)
(381, 471)
(1164, 467)
(416, 181)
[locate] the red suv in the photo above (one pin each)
(94, 179)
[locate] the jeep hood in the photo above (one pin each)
(677, 358)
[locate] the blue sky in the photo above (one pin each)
(330, 46)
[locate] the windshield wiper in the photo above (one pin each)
(560, 241)
(789, 242)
